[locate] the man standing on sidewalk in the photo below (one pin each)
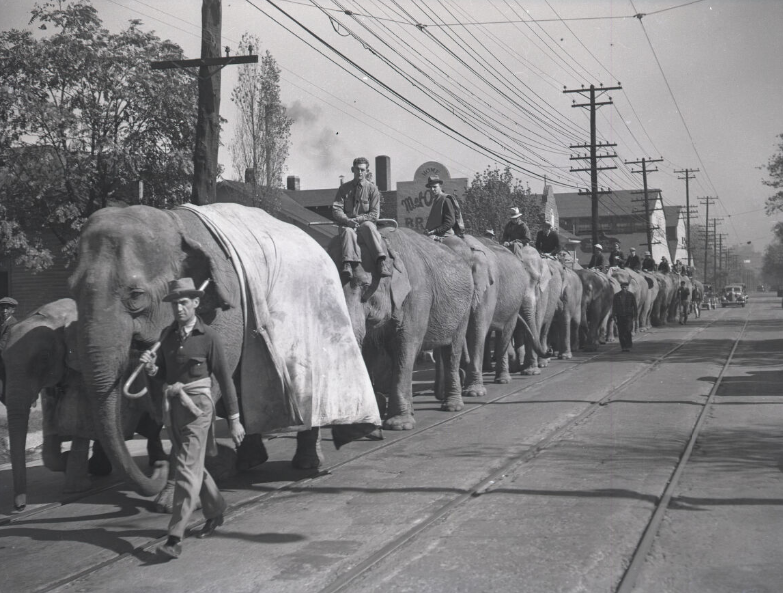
(356, 208)
(683, 302)
(192, 353)
(624, 312)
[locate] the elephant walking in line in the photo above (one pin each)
(568, 316)
(597, 295)
(666, 290)
(274, 300)
(40, 357)
(425, 304)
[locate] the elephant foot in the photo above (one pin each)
(565, 356)
(474, 390)
(531, 371)
(99, 464)
(164, 501)
(55, 461)
(503, 379)
(251, 452)
(20, 502)
(79, 484)
(400, 422)
(543, 363)
(308, 450)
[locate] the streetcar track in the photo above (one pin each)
(482, 486)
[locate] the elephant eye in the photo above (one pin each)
(137, 300)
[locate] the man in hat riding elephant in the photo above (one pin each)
(7, 319)
(547, 240)
(191, 354)
(445, 219)
(516, 229)
(356, 208)
(597, 259)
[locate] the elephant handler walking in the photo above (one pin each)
(356, 207)
(624, 312)
(192, 352)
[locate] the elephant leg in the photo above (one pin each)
(440, 375)
(52, 455)
(251, 452)
(100, 464)
(451, 357)
(475, 338)
(76, 478)
(502, 343)
(308, 449)
(399, 415)
(488, 353)
(565, 338)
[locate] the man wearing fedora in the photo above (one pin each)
(356, 208)
(648, 264)
(547, 240)
(7, 319)
(442, 221)
(597, 260)
(191, 354)
(633, 262)
(624, 312)
(516, 229)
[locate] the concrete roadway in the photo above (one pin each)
(568, 520)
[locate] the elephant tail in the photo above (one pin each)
(535, 342)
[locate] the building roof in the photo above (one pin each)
(621, 202)
(291, 211)
(310, 198)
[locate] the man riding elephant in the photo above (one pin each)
(444, 219)
(356, 208)
(547, 240)
(516, 229)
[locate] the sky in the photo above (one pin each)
(701, 86)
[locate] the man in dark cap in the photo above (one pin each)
(633, 262)
(648, 264)
(356, 207)
(444, 218)
(192, 354)
(7, 319)
(664, 265)
(516, 229)
(616, 257)
(624, 312)
(547, 240)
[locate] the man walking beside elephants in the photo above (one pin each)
(192, 353)
(624, 312)
(356, 208)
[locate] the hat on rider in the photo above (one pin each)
(182, 289)
(633, 249)
(598, 246)
(8, 302)
(433, 180)
(515, 213)
(489, 232)
(624, 283)
(647, 253)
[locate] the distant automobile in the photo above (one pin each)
(733, 295)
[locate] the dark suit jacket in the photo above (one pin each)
(548, 243)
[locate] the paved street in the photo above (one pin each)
(416, 513)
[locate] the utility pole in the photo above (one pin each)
(644, 171)
(687, 178)
(593, 93)
(715, 221)
(205, 154)
(707, 201)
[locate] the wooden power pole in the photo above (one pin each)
(687, 178)
(593, 146)
(205, 153)
(644, 170)
(707, 201)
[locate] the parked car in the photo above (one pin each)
(733, 295)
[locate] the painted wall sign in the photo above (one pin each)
(414, 200)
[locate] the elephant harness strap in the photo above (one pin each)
(183, 392)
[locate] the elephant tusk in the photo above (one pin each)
(126, 387)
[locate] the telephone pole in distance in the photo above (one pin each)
(707, 201)
(688, 176)
(644, 170)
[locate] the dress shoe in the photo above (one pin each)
(384, 267)
(171, 549)
(210, 526)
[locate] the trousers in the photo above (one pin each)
(624, 329)
(191, 479)
(367, 234)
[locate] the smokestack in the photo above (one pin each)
(250, 176)
(292, 183)
(383, 173)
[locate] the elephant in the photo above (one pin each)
(540, 301)
(40, 357)
(568, 315)
(666, 290)
(597, 295)
(257, 304)
(425, 304)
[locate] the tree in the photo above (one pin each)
(262, 137)
(775, 171)
(772, 262)
(488, 201)
(83, 120)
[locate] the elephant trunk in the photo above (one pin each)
(528, 320)
(18, 421)
(104, 353)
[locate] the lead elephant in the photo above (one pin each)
(425, 304)
(597, 295)
(274, 301)
(40, 357)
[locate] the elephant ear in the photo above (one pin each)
(400, 285)
(482, 274)
(199, 265)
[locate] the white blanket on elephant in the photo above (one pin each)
(294, 310)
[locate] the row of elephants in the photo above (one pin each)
(448, 297)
